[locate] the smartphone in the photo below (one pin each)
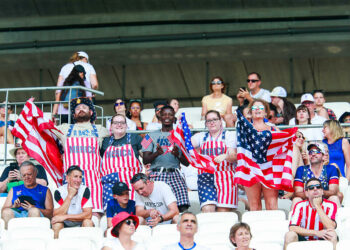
(24, 198)
(13, 166)
(244, 88)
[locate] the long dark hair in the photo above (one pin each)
(72, 78)
(289, 110)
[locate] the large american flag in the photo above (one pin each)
(264, 157)
(38, 140)
(181, 135)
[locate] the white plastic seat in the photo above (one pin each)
(274, 225)
(44, 234)
(266, 246)
(343, 245)
(212, 238)
(266, 215)
(343, 185)
(225, 217)
(317, 244)
(283, 204)
(147, 115)
(142, 233)
(24, 244)
(70, 244)
(215, 227)
(346, 200)
(158, 241)
(95, 234)
(33, 222)
(194, 201)
(192, 114)
(103, 223)
(274, 237)
(166, 229)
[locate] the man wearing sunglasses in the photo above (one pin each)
(314, 218)
(253, 82)
(327, 174)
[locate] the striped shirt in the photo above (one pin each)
(307, 217)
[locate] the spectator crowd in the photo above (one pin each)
(138, 179)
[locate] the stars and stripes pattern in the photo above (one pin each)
(264, 156)
(181, 135)
(38, 140)
(147, 140)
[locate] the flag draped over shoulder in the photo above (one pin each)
(38, 140)
(264, 156)
(181, 135)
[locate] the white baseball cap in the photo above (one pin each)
(279, 92)
(307, 97)
(83, 54)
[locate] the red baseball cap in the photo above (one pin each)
(122, 216)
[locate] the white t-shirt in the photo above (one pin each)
(116, 245)
(230, 139)
(81, 200)
(160, 198)
(312, 134)
(263, 94)
(89, 69)
(175, 246)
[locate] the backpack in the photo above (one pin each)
(75, 94)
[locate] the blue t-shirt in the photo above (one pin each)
(329, 175)
(38, 194)
(114, 208)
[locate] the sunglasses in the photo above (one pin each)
(312, 187)
(217, 82)
(118, 104)
(252, 80)
(347, 120)
(128, 222)
(135, 100)
(255, 107)
(314, 151)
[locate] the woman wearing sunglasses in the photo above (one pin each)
(124, 226)
(216, 190)
(218, 101)
(135, 114)
(119, 107)
(257, 142)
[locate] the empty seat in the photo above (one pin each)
(213, 238)
(317, 244)
(71, 244)
(33, 222)
(273, 237)
(44, 234)
(263, 215)
(343, 185)
(346, 200)
(229, 217)
(26, 244)
(273, 225)
(343, 245)
(163, 230)
(194, 201)
(266, 246)
(103, 223)
(147, 115)
(94, 234)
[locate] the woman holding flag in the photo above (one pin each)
(216, 190)
(120, 157)
(264, 157)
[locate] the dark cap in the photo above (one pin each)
(343, 116)
(119, 188)
(159, 102)
(80, 68)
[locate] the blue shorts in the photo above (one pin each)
(206, 189)
(23, 214)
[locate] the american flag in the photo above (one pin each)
(38, 140)
(181, 135)
(264, 157)
(147, 140)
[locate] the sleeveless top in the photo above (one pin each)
(336, 154)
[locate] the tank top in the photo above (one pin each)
(336, 154)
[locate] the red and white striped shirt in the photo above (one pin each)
(307, 217)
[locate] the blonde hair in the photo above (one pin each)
(335, 129)
(75, 57)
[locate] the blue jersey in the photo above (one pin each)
(114, 208)
(38, 194)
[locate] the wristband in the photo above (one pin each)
(161, 219)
